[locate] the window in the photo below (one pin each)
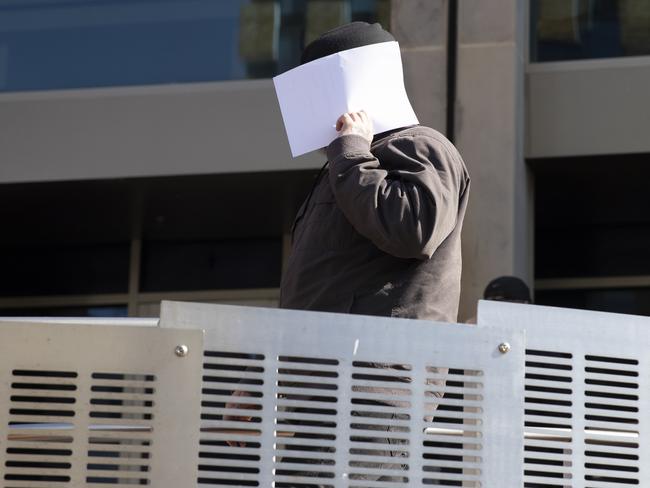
(619, 300)
(64, 269)
(61, 44)
(217, 265)
(585, 29)
(592, 233)
(113, 248)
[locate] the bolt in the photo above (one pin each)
(504, 347)
(181, 350)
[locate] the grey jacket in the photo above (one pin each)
(380, 233)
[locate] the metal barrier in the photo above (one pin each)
(587, 390)
(300, 399)
(97, 405)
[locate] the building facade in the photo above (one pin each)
(143, 155)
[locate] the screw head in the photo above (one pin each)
(504, 347)
(181, 350)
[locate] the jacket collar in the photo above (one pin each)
(383, 135)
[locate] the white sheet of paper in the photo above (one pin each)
(313, 96)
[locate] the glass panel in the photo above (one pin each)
(58, 44)
(620, 300)
(591, 216)
(185, 266)
(584, 29)
(591, 249)
(74, 269)
(94, 311)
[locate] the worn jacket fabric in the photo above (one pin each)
(380, 233)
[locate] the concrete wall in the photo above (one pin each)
(420, 26)
(144, 131)
(489, 122)
(589, 107)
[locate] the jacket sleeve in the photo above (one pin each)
(407, 204)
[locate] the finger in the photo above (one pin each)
(344, 121)
(364, 115)
(355, 116)
(339, 123)
(236, 443)
(241, 406)
(237, 418)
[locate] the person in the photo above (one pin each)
(504, 289)
(380, 232)
(507, 289)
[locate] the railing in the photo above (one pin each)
(335, 400)
(96, 405)
(587, 390)
(532, 396)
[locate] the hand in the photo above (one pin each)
(237, 418)
(355, 123)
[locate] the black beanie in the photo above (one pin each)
(344, 37)
(507, 289)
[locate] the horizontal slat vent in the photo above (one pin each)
(381, 403)
(41, 428)
(453, 427)
(232, 405)
(378, 406)
(305, 419)
(548, 444)
(611, 421)
(120, 428)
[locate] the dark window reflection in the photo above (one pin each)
(185, 266)
(591, 216)
(588, 249)
(74, 269)
(94, 311)
(584, 29)
(93, 43)
(220, 231)
(592, 221)
(634, 301)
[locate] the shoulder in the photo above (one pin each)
(421, 135)
(420, 142)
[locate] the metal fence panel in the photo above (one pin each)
(587, 387)
(304, 399)
(84, 405)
